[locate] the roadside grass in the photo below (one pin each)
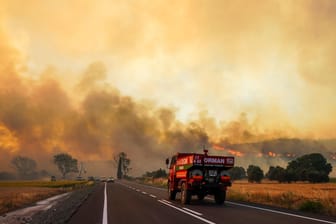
(157, 182)
(332, 180)
(48, 184)
(316, 198)
(18, 194)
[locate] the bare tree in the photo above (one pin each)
(123, 164)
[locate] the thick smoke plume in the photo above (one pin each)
(38, 119)
(254, 79)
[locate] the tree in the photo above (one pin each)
(65, 164)
(311, 167)
(25, 167)
(123, 165)
(277, 173)
(119, 172)
(237, 173)
(254, 174)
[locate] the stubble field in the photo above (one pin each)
(318, 198)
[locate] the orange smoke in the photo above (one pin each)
(8, 141)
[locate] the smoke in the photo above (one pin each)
(95, 72)
(246, 78)
(106, 122)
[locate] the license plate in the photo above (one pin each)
(212, 173)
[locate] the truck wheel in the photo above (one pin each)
(171, 194)
(200, 196)
(185, 194)
(220, 197)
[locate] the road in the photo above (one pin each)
(128, 202)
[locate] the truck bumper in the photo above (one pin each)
(203, 186)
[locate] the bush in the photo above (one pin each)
(311, 206)
(276, 173)
(254, 174)
(311, 167)
(160, 173)
(237, 173)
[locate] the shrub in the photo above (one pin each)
(311, 206)
(237, 173)
(254, 174)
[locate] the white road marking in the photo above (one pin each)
(186, 212)
(153, 196)
(189, 210)
(166, 201)
(105, 207)
(275, 211)
(144, 192)
(282, 213)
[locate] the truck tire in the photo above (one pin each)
(220, 197)
(171, 194)
(185, 194)
(200, 196)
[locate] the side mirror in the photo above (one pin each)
(167, 162)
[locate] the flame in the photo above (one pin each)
(235, 153)
(230, 151)
(272, 154)
(218, 147)
(333, 156)
(289, 155)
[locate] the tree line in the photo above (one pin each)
(26, 168)
(311, 167)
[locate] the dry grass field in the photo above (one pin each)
(12, 198)
(319, 198)
(18, 194)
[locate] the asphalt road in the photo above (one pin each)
(128, 202)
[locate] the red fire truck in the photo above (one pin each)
(199, 174)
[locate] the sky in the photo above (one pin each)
(224, 68)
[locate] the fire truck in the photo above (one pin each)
(199, 174)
